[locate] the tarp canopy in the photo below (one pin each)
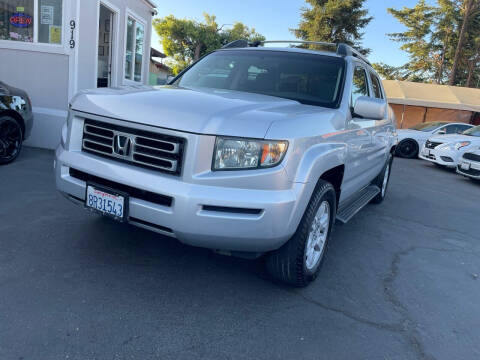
(432, 95)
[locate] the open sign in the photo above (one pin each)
(20, 20)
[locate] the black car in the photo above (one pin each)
(16, 121)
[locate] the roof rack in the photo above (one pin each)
(340, 48)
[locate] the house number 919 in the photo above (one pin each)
(72, 28)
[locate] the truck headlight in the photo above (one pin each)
(244, 154)
(462, 144)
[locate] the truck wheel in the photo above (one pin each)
(11, 137)
(382, 181)
(298, 262)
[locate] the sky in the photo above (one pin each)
(274, 18)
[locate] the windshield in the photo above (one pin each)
(427, 127)
(475, 131)
(307, 78)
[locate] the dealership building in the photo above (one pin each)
(54, 48)
(414, 103)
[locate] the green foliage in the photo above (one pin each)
(418, 21)
(431, 39)
(185, 41)
(334, 21)
(388, 72)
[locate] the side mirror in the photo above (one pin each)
(441, 132)
(170, 78)
(370, 109)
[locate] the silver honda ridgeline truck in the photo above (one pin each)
(251, 151)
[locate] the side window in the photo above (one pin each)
(451, 129)
(462, 128)
(377, 89)
(360, 84)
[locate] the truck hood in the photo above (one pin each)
(203, 111)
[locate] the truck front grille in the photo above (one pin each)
(142, 148)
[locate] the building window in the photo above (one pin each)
(18, 21)
(134, 50)
(50, 21)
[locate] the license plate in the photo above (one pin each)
(427, 152)
(465, 166)
(106, 201)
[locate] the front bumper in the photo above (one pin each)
(28, 124)
(469, 168)
(191, 218)
(440, 156)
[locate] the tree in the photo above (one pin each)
(334, 21)
(416, 39)
(444, 36)
(388, 72)
(186, 41)
(470, 7)
(473, 63)
(432, 40)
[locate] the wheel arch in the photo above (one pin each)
(334, 176)
(323, 170)
(318, 160)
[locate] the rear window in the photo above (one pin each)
(307, 78)
(475, 131)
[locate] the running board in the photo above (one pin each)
(347, 211)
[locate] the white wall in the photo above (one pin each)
(52, 75)
(44, 77)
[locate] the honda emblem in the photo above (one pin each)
(122, 145)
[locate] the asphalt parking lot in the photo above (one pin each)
(401, 281)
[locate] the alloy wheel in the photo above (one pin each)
(318, 235)
(10, 139)
(408, 149)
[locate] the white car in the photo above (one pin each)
(447, 150)
(469, 164)
(411, 140)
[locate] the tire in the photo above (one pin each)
(407, 148)
(298, 262)
(382, 180)
(11, 138)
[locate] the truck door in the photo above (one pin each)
(382, 130)
(360, 148)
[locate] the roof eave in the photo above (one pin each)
(434, 104)
(151, 4)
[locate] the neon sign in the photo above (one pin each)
(20, 20)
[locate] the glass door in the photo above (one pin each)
(105, 39)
